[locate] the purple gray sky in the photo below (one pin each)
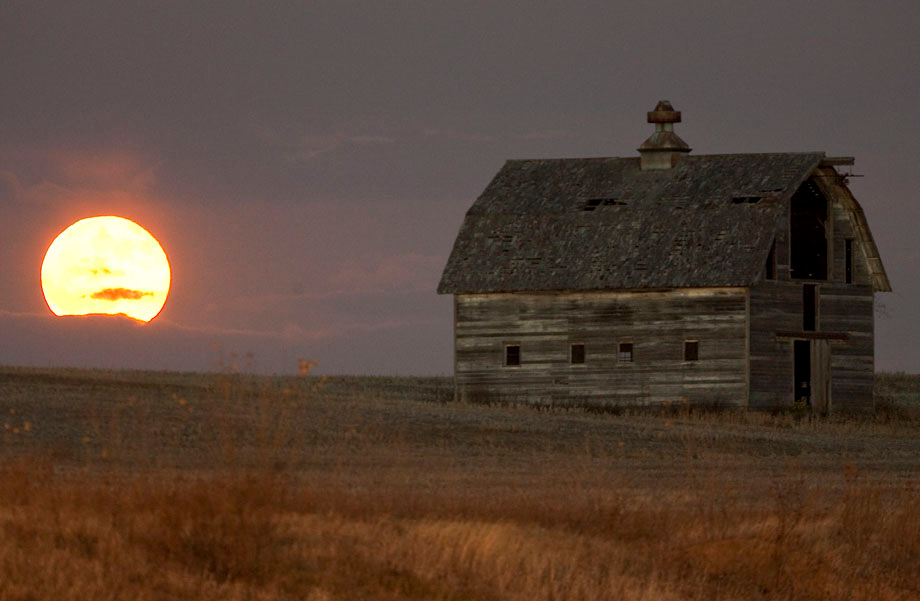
(306, 165)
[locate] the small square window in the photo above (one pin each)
(578, 353)
(625, 355)
(691, 350)
(512, 355)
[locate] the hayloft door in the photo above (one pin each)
(820, 376)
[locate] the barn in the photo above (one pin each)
(742, 280)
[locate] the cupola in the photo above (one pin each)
(663, 148)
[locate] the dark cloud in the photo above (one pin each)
(114, 294)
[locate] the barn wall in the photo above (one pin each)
(657, 323)
(776, 306)
(849, 308)
(842, 229)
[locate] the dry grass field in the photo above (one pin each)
(146, 485)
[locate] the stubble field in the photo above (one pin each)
(149, 485)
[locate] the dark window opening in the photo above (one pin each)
(625, 354)
(691, 350)
(808, 229)
(809, 307)
(848, 270)
(802, 360)
(593, 203)
(512, 355)
(746, 199)
(578, 353)
(771, 262)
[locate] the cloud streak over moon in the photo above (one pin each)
(114, 294)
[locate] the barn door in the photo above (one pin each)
(820, 377)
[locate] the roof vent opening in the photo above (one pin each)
(663, 148)
(594, 203)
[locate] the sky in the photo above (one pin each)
(307, 165)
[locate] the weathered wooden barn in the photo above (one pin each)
(736, 280)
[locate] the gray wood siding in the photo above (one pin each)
(849, 309)
(843, 309)
(775, 307)
(842, 230)
(657, 324)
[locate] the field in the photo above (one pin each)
(149, 485)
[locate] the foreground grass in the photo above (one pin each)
(164, 486)
(265, 537)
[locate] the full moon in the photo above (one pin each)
(106, 265)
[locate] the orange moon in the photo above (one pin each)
(106, 265)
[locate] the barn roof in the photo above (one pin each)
(605, 223)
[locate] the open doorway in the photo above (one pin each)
(802, 358)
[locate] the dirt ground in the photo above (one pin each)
(354, 428)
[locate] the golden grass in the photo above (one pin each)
(230, 487)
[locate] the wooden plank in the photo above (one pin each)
(820, 376)
(657, 323)
(803, 335)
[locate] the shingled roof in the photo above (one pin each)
(605, 223)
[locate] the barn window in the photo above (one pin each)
(848, 269)
(808, 228)
(625, 354)
(691, 350)
(577, 354)
(809, 307)
(512, 355)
